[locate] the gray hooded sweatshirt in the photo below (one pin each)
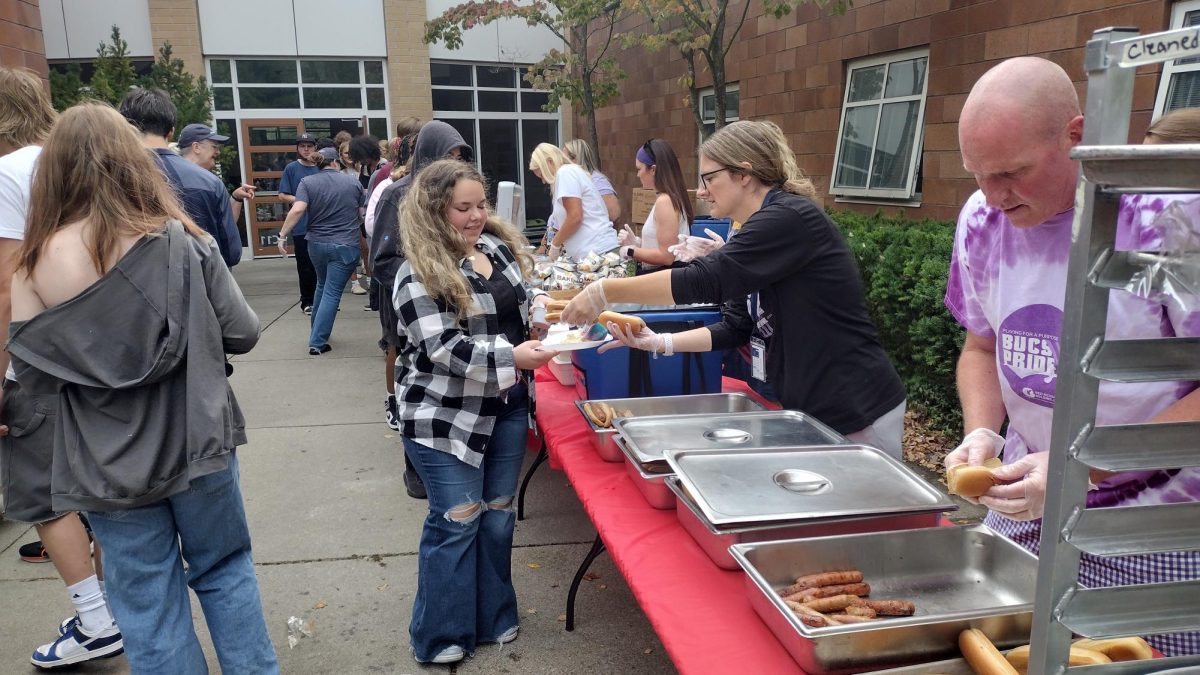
(435, 141)
(138, 363)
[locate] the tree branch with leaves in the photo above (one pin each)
(705, 29)
(582, 72)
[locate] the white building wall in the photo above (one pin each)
(74, 29)
(355, 28)
(504, 41)
(247, 28)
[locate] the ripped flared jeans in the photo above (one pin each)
(465, 594)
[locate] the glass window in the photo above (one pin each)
(495, 76)
(534, 101)
(329, 72)
(1179, 86)
(378, 127)
(222, 98)
(498, 101)
(453, 99)
(708, 109)
(881, 129)
(449, 75)
(269, 97)
(501, 159)
(319, 128)
(537, 193)
(466, 128)
(373, 71)
(221, 72)
(376, 100)
(525, 83)
(270, 161)
(273, 135)
(262, 71)
(262, 185)
(332, 97)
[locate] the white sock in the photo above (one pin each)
(88, 599)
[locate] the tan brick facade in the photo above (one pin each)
(792, 71)
(21, 43)
(409, 91)
(178, 22)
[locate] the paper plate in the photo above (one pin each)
(556, 342)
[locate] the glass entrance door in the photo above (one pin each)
(270, 145)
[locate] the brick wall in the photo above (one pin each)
(409, 91)
(792, 71)
(21, 36)
(178, 22)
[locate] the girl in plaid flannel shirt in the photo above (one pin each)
(462, 302)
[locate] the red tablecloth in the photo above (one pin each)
(700, 612)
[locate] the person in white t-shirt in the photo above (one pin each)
(26, 418)
(579, 209)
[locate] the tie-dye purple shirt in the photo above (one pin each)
(1009, 283)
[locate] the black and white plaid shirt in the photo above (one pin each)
(456, 376)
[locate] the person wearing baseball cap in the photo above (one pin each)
(303, 166)
(200, 144)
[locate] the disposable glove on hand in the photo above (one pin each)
(537, 311)
(690, 248)
(626, 237)
(585, 307)
(976, 448)
(645, 339)
(1025, 498)
(554, 252)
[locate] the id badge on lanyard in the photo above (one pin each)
(758, 359)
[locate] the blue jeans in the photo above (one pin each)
(465, 594)
(334, 263)
(144, 553)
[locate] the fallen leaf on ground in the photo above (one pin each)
(389, 435)
(531, 611)
(534, 566)
(591, 576)
(603, 586)
(383, 587)
(320, 605)
(647, 651)
(562, 617)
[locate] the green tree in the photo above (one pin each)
(114, 74)
(705, 29)
(66, 87)
(582, 72)
(190, 94)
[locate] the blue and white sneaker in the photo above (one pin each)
(76, 646)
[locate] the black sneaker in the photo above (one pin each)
(34, 552)
(412, 481)
(391, 413)
(317, 351)
(307, 310)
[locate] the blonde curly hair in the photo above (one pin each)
(434, 247)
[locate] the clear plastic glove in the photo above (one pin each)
(554, 252)
(537, 311)
(585, 307)
(529, 355)
(1020, 493)
(645, 339)
(976, 448)
(690, 248)
(626, 237)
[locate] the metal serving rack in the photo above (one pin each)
(1110, 169)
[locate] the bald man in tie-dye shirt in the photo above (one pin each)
(1007, 287)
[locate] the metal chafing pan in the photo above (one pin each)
(649, 438)
(653, 486)
(715, 541)
(759, 486)
(691, 404)
(958, 578)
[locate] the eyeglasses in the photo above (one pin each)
(709, 174)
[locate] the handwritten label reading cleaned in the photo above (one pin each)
(1162, 46)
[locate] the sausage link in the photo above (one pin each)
(888, 607)
(832, 604)
(850, 618)
(807, 594)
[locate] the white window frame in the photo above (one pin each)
(710, 92)
(908, 192)
(1178, 12)
(302, 112)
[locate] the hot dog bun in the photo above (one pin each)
(631, 325)
(1119, 649)
(971, 481)
(1019, 658)
(982, 655)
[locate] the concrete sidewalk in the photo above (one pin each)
(335, 535)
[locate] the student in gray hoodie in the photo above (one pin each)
(436, 140)
(124, 310)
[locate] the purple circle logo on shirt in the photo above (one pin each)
(1027, 349)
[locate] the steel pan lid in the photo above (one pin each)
(650, 437)
(763, 485)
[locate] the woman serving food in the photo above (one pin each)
(825, 357)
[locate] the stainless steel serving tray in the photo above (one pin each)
(1179, 665)
(653, 486)
(715, 541)
(650, 438)
(756, 486)
(958, 578)
(690, 404)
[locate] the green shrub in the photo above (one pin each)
(904, 265)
